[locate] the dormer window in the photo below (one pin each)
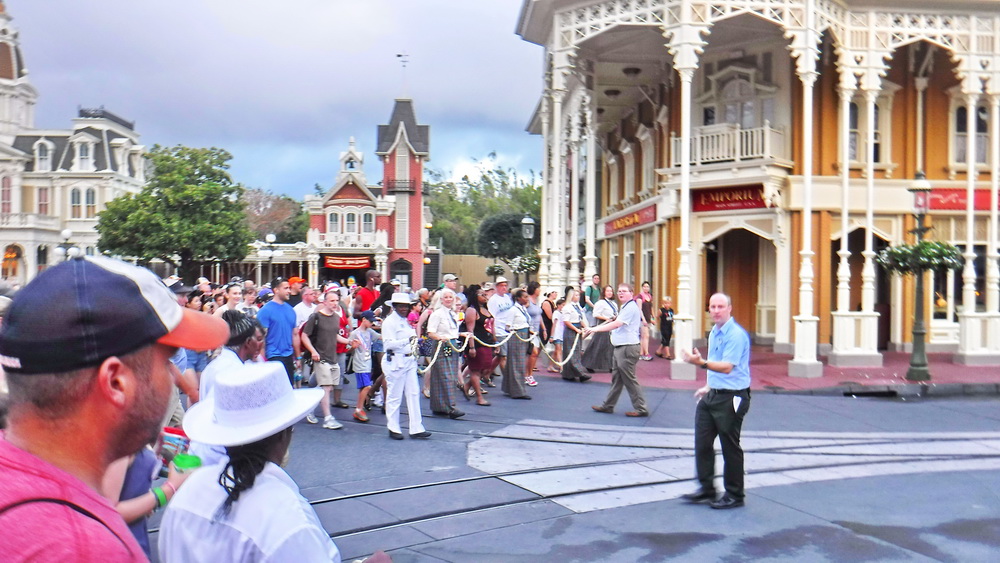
(43, 156)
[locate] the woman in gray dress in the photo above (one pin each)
(599, 351)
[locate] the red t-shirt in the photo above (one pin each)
(368, 296)
(345, 331)
(60, 530)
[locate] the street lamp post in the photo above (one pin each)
(66, 249)
(269, 252)
(527, 233)
(918, 371)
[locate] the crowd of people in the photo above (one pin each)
(130, 357)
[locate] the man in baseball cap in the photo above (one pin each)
(89, 384)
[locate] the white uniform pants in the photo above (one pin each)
(401, 380)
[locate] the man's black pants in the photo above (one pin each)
(718, 415)
(289, 363)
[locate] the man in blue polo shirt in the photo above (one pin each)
(278, 318)
(722, 404)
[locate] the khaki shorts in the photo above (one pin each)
(326, 374)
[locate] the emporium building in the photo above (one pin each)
(763, 148)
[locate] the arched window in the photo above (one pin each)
(351, 224)
(91, 203)
(333, 223)
(76, 208)
(43, 161)
(6, 195)
(401, 270)
(368, 223)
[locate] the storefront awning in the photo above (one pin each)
(347, 262)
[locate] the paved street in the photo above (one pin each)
(829, 478)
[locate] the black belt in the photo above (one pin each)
(732, 391)
(624, 345)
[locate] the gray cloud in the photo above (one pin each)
(283, 85)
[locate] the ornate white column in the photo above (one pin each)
(685, 46)
(805, 364)
(557, 269)
(545, 221)
(993, 257)
(573, 274)
(867, 353)
(313, 258)
(590, 189)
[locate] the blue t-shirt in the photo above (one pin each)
(730, 344)
(279, 320)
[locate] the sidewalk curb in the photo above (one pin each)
(897, 390)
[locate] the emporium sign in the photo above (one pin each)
(956, 199)
(346, 262)
(728, 199)
(643, 216)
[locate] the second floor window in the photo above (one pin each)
(351, 224)
(857, 140)
(91, 203)
(76, 208)
(43, 201)
(333, 223)
(367, 223)
(6, 195)
(962, 134)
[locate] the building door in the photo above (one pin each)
(733, 267)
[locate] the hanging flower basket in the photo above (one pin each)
(926, 255)
(494, 270)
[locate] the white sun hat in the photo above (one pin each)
(249, 403)
(400, 298)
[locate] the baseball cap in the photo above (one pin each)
(450, 277)
(295, 279)
(175, 285)
(107, 308)
(368, 315)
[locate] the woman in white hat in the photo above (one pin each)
(246, 508)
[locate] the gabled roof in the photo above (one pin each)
(419, 136)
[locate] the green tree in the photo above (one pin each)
(500, 236)
(460, 207)
(189, 211)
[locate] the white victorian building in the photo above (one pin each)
(763, 148)
(53, 183)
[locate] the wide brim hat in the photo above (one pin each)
(249, 403)
(501, 280)
(401, 298)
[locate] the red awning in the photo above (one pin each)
(347, 262)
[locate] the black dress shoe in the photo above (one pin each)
(424, 434)
(455, 413)
(584, 378)
(590, 370)
(395, 435)
(727, 502)
(699, 497)
(525, 397)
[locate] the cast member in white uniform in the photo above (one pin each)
(400, 368)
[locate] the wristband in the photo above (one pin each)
(173, 489)
(161, 497)
(704, 365)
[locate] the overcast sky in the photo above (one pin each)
(283, 84)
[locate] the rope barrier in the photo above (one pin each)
(414, 347)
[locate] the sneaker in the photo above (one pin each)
(331, 423)
(311, 419)
(530, 381)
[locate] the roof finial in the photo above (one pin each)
(404, 59)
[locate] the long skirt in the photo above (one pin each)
(513, 372)
(444, 375)
(573, 368)
(599, 353)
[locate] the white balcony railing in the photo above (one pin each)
(28, 221)
(339, 240)
(730, 143)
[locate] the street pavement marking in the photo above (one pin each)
(586, 467)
